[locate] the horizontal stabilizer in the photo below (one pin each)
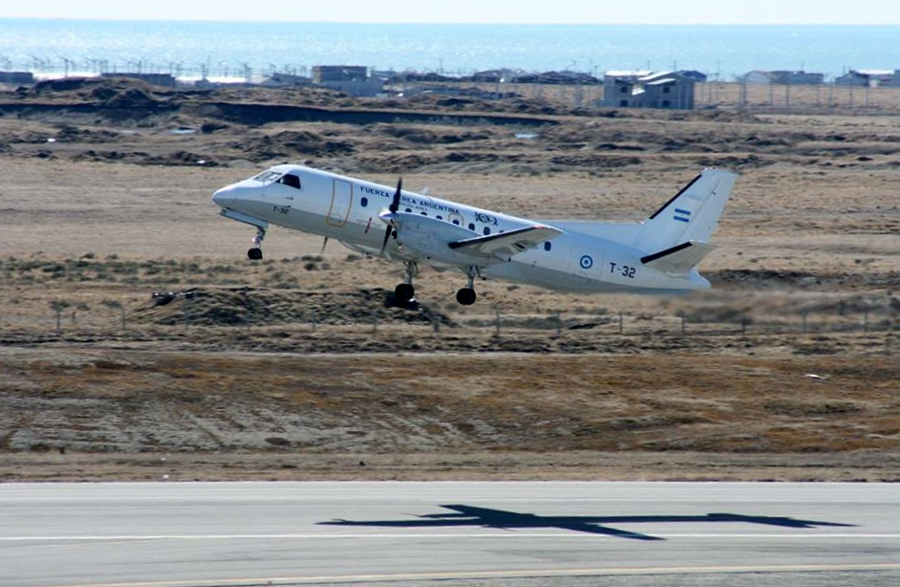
(504, 245)
(679, 259)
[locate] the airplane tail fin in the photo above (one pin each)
(688, 219)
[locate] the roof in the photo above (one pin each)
(873, 71)
(627, 73)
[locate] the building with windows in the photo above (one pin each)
(871, 78)
(643, 89)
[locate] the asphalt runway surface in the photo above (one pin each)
(530, 534)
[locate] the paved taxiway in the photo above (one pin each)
(253, 533)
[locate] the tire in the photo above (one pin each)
(466, 296)
(404, 292)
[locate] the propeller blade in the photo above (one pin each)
(393, 208)
(387, 236)
(324, 244)
(395, 203)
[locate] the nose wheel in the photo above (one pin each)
(255, 252)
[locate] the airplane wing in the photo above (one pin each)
(504, 245)
(678, 259)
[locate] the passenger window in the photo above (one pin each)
(364, 202)
(456, 221)
(439, 217)
(408, 210)
(547, 246)
(472, 226)
(487, 230)
(290, 180)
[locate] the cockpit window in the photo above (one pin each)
(267, 176)
(290, 180)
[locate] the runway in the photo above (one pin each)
(202, 534)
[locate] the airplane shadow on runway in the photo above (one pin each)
(465, 515)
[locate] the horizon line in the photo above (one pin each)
(423, 22)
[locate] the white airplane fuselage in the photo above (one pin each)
(575, 257)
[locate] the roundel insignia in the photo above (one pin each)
(586, 262)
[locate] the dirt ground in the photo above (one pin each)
(299, 367)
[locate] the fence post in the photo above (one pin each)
(558, 325)
(497, 310)
(621, 323)
(58, 306)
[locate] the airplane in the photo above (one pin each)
(657, 256)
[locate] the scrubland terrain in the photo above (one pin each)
(302, 367)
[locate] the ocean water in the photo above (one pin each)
(230, 49)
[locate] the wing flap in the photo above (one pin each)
(679, 259)
(504, 245)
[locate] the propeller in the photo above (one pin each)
(324, 244)
(395, 205)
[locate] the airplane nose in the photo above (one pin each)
(223, 197)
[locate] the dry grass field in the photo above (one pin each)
(296, 367)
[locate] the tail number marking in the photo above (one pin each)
(623, 270)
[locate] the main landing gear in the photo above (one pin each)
(405, 292)
(255, 252)
(467, 296)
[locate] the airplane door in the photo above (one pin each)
(341, 200)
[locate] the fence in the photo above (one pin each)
(186, 316)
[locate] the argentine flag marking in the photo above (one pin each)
(682, 215)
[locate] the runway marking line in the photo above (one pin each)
(437, 536)
(521, 574)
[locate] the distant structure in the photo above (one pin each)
(870, 78)
(165, 80)
(514, 76)
(349, 79)
(278, 79)
(16, 77)
(644, 89)
(492, 76)
(698, 76)
(784, 77)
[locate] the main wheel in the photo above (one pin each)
(254, 254)
(404, 292)
(466, 296)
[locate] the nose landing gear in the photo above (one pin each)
(255, 252)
